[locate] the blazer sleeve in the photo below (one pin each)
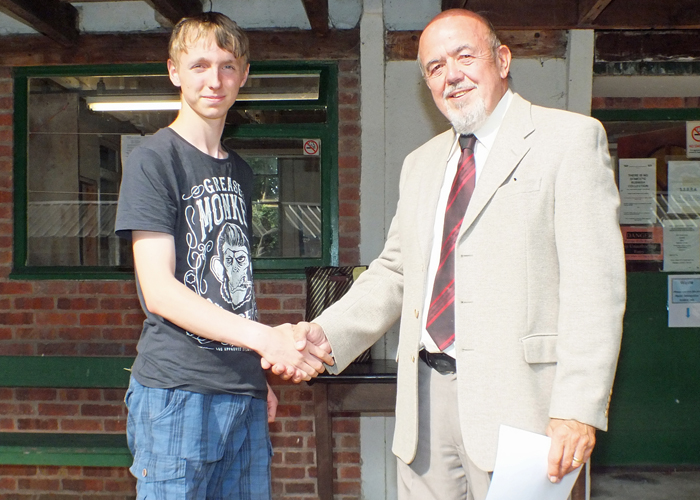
(592, 288)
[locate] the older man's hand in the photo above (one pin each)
(572, 444)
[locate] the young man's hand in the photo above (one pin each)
(308, 337)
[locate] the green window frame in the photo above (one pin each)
(272, 267)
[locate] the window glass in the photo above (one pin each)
(80, 128)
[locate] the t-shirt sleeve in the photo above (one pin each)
(147, 195)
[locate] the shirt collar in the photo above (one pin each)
(486, 134)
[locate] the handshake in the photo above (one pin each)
(296, 352)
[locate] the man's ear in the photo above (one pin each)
(503, 58)
(247, 72)
(172, 73)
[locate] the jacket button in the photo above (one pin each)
(413, 359)
(415, 312)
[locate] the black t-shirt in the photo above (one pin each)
(169, 186)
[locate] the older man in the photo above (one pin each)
(505, 263)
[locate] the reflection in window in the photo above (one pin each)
(80, 128)
(287, 208)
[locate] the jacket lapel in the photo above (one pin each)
(428, 189)
(508, 149)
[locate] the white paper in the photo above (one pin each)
(683, 300)
(681, 245)
(521, 469)
(638, 191)
(684, 187)
(129, 143)
(692, 132)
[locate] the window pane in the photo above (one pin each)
(287, 199)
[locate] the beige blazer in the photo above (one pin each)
(540, 282)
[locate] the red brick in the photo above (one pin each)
(31, 424)
(298, 426)
(298, 457)
(284, 410)
(38, 484)
(5, 333)
(348, 98)
(91, 410)
(350, 130)
(274, 319)
(19, 470)
(34, 303)
(80, 425)
(24, 318)
(7, 424)
(349, 209)
(346, 457)
(300, 488)
(57, 349)
(116, 395)
(346, 426)
(349, 257)
(129, 288)
(287, 472)
(98, 349)
(280, 287)
(275, 427)
(18, 350)
(349, 473)
(6, 135)
(349, 241)
(100, 287)
(77, 304)
(121, 304)
(94, 319)
(350, 441)
(35, 394)
(115, 426)
(5, 151)
(81, 394)
(348, 65)
(297, 393)
(82, 484)
(294, 303)
(662, 102)
(57, 318)
(349, 177)
(57, 410)
(7, 483)
(134, 319)
(349, 114)
(5, 119)
(121, 333)
(346, 193)
(268, 303)
(287, 441)
(348, 145)
(347, 488)
(77, 333)
(56, 288)
(16, 409)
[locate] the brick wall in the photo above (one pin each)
(94, 318)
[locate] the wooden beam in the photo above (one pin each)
(622, 46)
(650, 14)
(454, 4)
(55, 19)
(174, 10)
(403, 45)
(589, 10)
(33, 50)
(317, 12)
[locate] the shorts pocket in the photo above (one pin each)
(149, 467)
(540, 348)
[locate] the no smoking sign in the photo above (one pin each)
(692, 139)
(312, 147)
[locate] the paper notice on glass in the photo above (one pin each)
(521, 469)
(129, 143)
(684, 187)
(684, 300)
(692, 131)
(681, 245)
(638, 190)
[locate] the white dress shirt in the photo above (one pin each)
(485, 137)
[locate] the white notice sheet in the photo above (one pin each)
(521, 469)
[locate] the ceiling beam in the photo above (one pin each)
(317, 12)
(589, 10)
(403, 45)
(625, 46)
(454, 4)
(126, 48)
(650, 14)
(55, 19)
(174, 10)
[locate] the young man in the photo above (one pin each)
(198, 416)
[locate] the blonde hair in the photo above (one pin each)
(228, 35)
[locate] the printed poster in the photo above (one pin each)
(684, 187)
(681, 245)
(637, 190)
(692, 139)
(683, 300)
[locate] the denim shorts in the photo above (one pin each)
(190, 446)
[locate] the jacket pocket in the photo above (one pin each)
(540, 348)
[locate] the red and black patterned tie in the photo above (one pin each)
(441, 314)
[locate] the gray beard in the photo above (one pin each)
(467, 120)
